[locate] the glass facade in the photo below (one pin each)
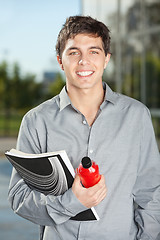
(134, 68)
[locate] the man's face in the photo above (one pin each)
(83, 61)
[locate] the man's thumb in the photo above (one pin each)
(77, 180)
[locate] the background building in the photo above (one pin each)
(134, 68)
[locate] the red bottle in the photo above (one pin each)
(88, 172)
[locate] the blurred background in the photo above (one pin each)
(29, 73)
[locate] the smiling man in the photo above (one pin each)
(88, 119)
(83, 61)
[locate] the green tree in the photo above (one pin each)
(56, 86)
(153, 81)
(131, 83)
(5, 86)
(18, 94)
(6, 101)
(31, 93)
(16, 89)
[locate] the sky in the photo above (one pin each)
(29, 29)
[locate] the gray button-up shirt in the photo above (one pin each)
(122, 142)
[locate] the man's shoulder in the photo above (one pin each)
(122, 101)
(44, 108)
(125, 101)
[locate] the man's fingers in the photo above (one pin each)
(92, 196)
(100, 184)
(77, 182)
(99, 190)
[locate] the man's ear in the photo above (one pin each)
(60, 62)
(107, 58)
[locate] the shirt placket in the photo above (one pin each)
(90, 143)
(91, 148)
(90, 153)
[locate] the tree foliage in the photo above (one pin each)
(19, 91)
(56, 86)
(131, 83)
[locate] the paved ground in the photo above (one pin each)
(12, 227)
(6, 144)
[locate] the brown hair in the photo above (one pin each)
(82, 24)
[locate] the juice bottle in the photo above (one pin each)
(88, 172)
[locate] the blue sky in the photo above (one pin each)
(28, 31)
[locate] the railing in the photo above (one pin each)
(10, 123)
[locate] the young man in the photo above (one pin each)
(88, 118)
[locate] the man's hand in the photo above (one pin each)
(92, 196)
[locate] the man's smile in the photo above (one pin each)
(84, 73)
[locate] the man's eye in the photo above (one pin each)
(94, 52)
(74, 53)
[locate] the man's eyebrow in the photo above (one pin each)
(96, 47)
(92, 47)
(73, 48)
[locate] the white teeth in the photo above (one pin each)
(84, 74)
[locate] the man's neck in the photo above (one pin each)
(87, 101)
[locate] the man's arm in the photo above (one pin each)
(33, 205)
(147, 188)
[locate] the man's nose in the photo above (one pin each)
(83, 60)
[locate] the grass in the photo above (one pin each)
(9, 124)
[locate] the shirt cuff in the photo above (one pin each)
(71, 203)
(62, 208)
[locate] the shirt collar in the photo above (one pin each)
(110, 96)
(64, 99)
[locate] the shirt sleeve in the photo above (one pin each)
(31, 204)
(147, 188)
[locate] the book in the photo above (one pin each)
(48, 173)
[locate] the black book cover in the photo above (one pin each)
(49, 173)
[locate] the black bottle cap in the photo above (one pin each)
(86, 162)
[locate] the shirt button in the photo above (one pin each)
(91, 151)
(84, 122)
